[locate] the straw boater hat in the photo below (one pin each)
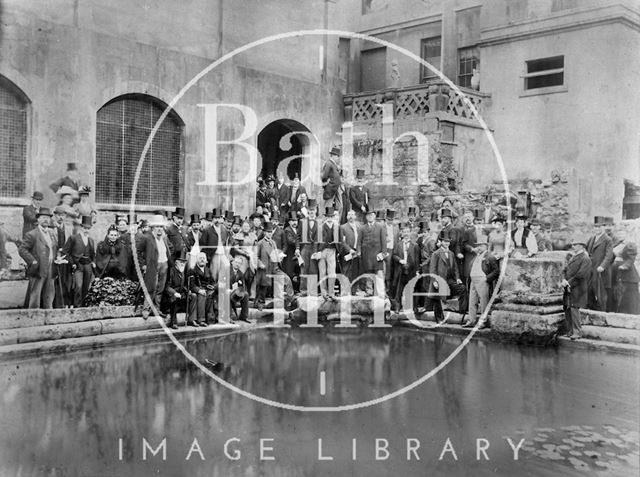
(580, 238)
(66, 190)
(157, 221)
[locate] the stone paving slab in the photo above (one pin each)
(521, 308)
(21, 318)
(616, 320)
(618, 335)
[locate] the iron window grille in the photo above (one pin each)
(13, 140)
(122, 129)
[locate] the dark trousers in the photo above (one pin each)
(457, 289)
(155, 283)
(243, 302)
(202, 307)
(82, 278)
(174, 305)
(572, 321)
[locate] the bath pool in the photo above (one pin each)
(87, 413)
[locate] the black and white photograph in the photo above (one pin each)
(291, 238)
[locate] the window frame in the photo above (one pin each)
(425, 73)
(476, 61)
(553, 88)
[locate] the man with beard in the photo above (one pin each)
(215, 239)
(201, 284)
(176, 290)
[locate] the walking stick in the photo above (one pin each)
(186, 313)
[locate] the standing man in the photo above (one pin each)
(350, 247)
(393, 237)
(468, 240)
(406, 259)
(296, 192)
(483, 273)
(374, 248)
(155, 254)
(600, 251)
(291, 248)
(215, 238)
(448, 230)
(269, 258)
(283, 193)
(81, 253)
(29, 213)
(332, 181)
(329, 240)
(38, 249)
(359, 197)
(444, 264)
(70, 180)
(308, 238)
(414, 229)
(192, 240)
(176, 233)
(577, 274)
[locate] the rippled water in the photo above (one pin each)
(577, 411)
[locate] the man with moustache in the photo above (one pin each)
(155, 256)
(192, 239)
(291, 248)
(577, 275)
(406, 259)
(176, 233)
(329, 240)
(269, 259)
(350, 247)
(443, 263)
(359, 196)
(374, 248)
(215, 239)
(308, 238)
(80, 250)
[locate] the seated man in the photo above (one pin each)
(443, 264)
(238, 294)
(175, 290)
(201, 284)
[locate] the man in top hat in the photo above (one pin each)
(332, 180)
(206, 221)
(215, 239)
(269, 259)
(29, 213)
(308, 239)
(412, 215)
(261, 193)
(283, 194)
(427, 244)
(176, 233)
(236, 225)
(392, 233)
(359, 196)
(291, 248)
(70, 180)
(39, 249)
(600, 251)
(81, 252)
(374, 249)
(296, 192)
(329, 241)
(468, 241)
(406, 260)
(228, 220)
(443, 263)
(448, 230)
(577, 275)
(350, 247)
(483, 273)
(192, 239)
(176, 290)
(271, 193)
(155, 256)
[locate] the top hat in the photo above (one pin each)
(292, 215)
(43, 211)
(312, 204)
(412, 210)
(183, 255)
(329, 211)
(208, 216)
(359, 173)
(37, 195)
(179, 212)
(217, 213)
(84, 190)
(580, 238)
(608, 220)
(87, 221)
(71, 166)
(120, 217)
(271, 178)
(391, 214)
(228, 215)
(237, 219)
(423, 226)
(446, 213)
(195, 219)
(335, 151)
(599, 220)
(370, 210)
(478, 213)
(379, 214)
(269, 227)
(157, 220)
(482, 239)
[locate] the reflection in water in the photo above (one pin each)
(63, 415)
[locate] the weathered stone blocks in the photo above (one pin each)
(527, 328)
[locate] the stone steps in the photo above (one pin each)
(616, 335)
(614, 320)
(21, 318)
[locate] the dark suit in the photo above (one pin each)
(290, 263)
(404, 272)
(600, 252)
(175, 284)
(177, 237)
(578, 273)
(239, 295)
(331, 179)
(81, 257)
(308, 238)
(39, 256)
(454, 235)
(445, 265)
(293, 197)
(359, 197)
(350, 243)
(374, 241)
(283, 194)
(155, 275)
(29, 219)
(201, 306)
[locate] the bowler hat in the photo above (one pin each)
(335, 151)
(359, 173)
(446, 213)
(37, 195)
(269, 227)
(208, 216)
(183, 255)
(87, 221)
(43, 211)
(228, 215)
(195, 219)
(217, 213)
(179, 212)
(391, 214)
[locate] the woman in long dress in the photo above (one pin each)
(625, 281)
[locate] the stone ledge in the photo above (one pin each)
(614, 320)
(618, 335)
(22, 318)
(531, 299)
(532, 309)
(527, 328)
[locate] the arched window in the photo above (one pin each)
(123, 127)
(13, 140)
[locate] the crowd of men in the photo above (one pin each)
(291, 240)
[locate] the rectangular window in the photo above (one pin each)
(373, 69)
(467, 61)
(544, 72)
(431, 52)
